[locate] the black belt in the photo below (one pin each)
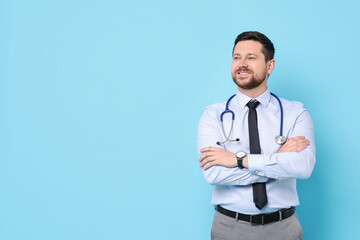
(259, 218)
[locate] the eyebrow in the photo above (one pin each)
(238, 54)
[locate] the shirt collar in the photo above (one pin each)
(242, 99)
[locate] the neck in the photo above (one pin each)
(253, 93)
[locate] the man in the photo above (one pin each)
(254, 178)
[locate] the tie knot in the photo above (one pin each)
(252, 104)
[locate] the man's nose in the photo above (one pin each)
(242, 63)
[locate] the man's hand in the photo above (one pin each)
(217, 156)
(295, 144)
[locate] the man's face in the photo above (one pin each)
(249, 69)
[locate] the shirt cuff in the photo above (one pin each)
(256, 164)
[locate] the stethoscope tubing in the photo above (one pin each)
(227, 110)
(281, 113)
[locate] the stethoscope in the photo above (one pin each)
(278, 139)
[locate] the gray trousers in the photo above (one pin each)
(227, 228)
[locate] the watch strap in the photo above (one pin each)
(240, 162)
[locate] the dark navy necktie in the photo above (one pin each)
(259, 189)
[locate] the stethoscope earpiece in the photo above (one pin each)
(235, 140)
(279, 139)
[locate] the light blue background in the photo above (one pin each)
(100, 101)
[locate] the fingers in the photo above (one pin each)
(205, 155)
(295, 144)
(206, 161)
(300, 142)
(202, 157)
(297, 138)
(299, 146)
(209, 156)
(207, 152)
(209, 165)
(205, 158)
(216, 156)
(210, 149)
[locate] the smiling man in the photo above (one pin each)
(254, 175)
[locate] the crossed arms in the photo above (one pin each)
(217, 156)
(294, 160)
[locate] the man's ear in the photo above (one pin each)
(270, 66)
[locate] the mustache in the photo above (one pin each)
(243, 69)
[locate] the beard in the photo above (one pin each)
(250, 83)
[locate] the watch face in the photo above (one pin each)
(240, 154)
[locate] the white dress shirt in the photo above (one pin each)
(232, 186)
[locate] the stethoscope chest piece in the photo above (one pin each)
(280, 140)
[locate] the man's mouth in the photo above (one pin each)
(243, 73)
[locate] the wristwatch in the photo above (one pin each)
(240, 156)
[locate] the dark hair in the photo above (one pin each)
(268, 47)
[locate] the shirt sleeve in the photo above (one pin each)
(209, 132)
(289, 165)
